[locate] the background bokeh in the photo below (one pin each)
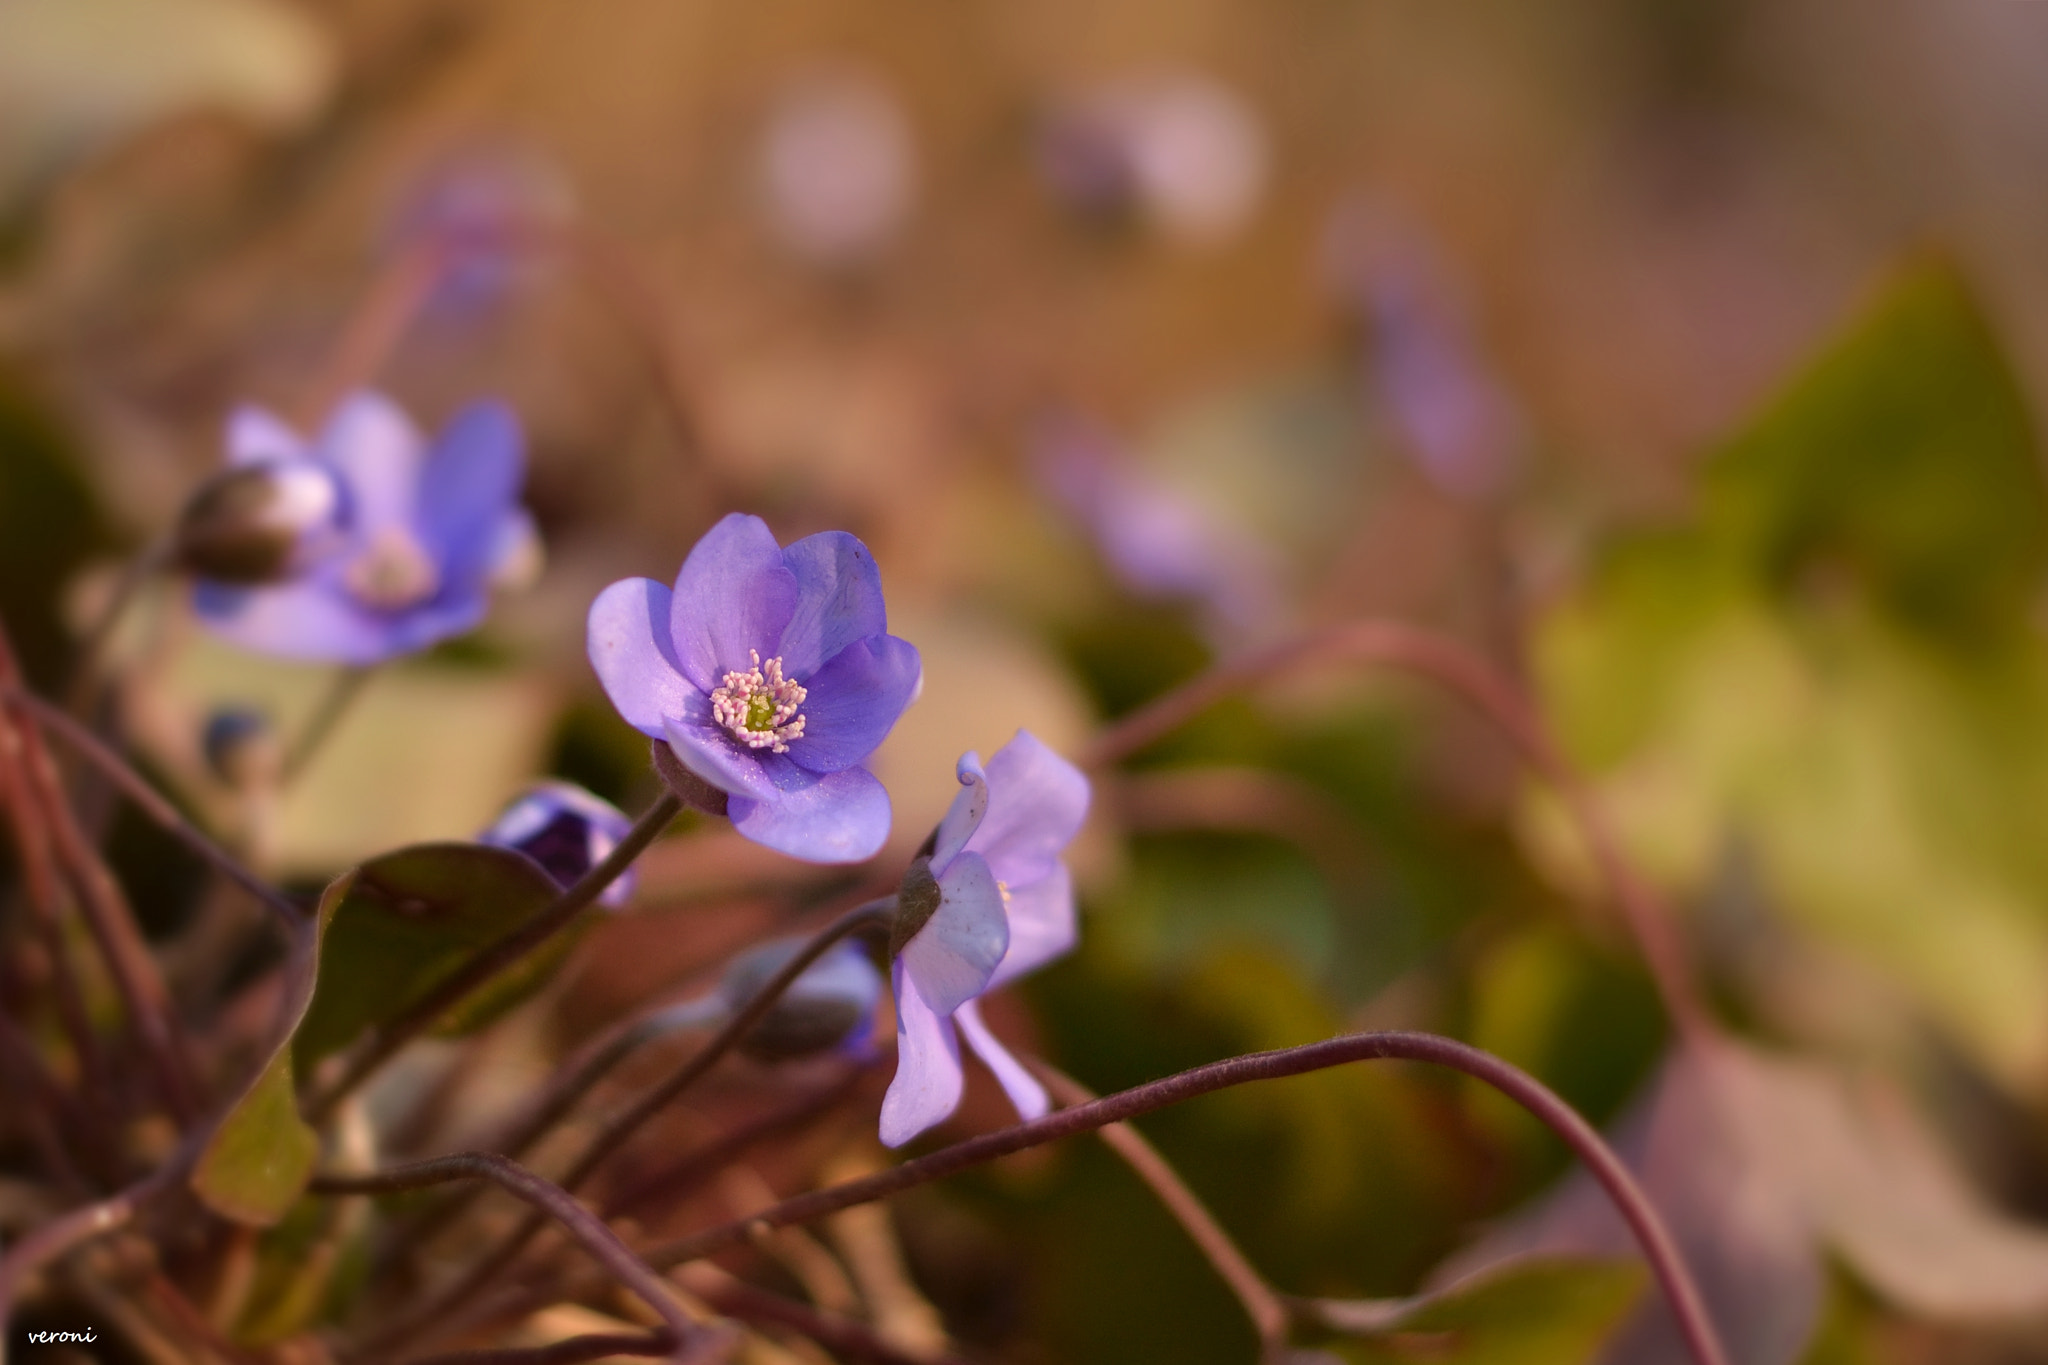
(1683, 357)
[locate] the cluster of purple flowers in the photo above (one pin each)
(768, 670)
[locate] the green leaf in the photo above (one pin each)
(411, 917)
(1835, 665)
(258, 1160)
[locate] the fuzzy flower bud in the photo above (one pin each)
(568, 831)
(259, 523)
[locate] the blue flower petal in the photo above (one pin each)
(1036, 805)
(256, 435)
(711, 753)
(842, 817)
(374, 445)
(955, 953)
(964, 816)
(630, 649)
(1042, 925)
(1020, 1085)
(312, 619)
(734, 594)
(853, 702)
(839, 600)
(926, 1087)
(472, 477)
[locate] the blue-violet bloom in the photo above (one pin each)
(424, 533)
(1005, 906)
(568, 831)
(771, 673)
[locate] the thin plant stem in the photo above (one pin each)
(79, 692)
(846, 1338)
(65, 1234)
(1262, 1304)
(691, 1343)
(335, 703)
(575, 1350)
(1666, 1261)
(622, 1126)
(106, 913)
(373, 330)
(507, 951)
(151, 802)
(1496, 697)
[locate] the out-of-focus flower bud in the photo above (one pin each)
(567, 830)
(259, 523)
(1175, 146)
(242, 747)
(838, 169)
(830, 1006)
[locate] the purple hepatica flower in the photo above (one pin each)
(1158, 543)
(425, 532)
(998, 903)
(771, 673)
(568, 831)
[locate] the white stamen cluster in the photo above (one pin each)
(760, 706)
(393, 572)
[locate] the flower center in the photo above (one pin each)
(393, 572)
(759, 705)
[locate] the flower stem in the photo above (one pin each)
(691, 1343)
(507, 951)
(1262, 1304)
(335, 703)
(149, 801)
(1666, 1262)
(623, 1125)
(1501, 701)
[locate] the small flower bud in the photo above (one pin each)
(831, 1005)
(258, 523)
(567, 830)
(917, 900)
(242, 747)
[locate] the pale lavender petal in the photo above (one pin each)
(471, 477)
(839, 600)
(1020, 1085)
(734, 594)
(1036, 805)
(842, 817)
(310, 619)
(964, 816)
(629, 647)
(926, 1087)
(711, 753)
(1042, 925)
(958, 948)
(854, 701)
(378, 451)
(255, 435)
(458, 608)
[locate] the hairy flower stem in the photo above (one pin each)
(1501, 701)
(149, 801)
(690, 1343)
(1666, 1262)
(622, 1126)
(507, 951)
(334, 705)
(1262, 1304)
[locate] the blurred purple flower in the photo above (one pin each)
(1178, 146)
(1422, 364)
(771, 673)
(1158, 543)
(484, 206)
(838, 168)
(568, 831)
(998, 903)
(424, 533)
